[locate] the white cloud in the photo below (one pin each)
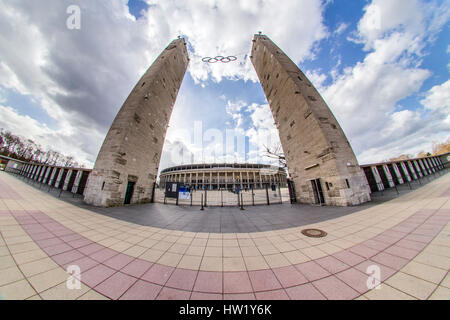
(341, 28)
(438, 98)
(225, 28)
(317, 78)
(365, 98)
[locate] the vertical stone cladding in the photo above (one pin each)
(132, 148)
(313, 142)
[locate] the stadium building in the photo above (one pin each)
(225, 176)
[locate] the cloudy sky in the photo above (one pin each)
(381, 65)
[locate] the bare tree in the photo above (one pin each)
(276, 152)
(28, 150)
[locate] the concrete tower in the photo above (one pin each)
(127, 164)
(319, 157)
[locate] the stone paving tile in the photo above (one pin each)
(389, 260)
(348, 257)
(289, 276)
(61, 292)
(415, 245)
(272, 295)
(35, 267)
(386, 292)
(96, 275)
(305, 292)
(402, 252)
(209, 282)
(158, 274)
(233, 264)
(276, 260)
(424, 272)
(364, 251)
(433, 260)
(335, 289)
(67, 257)
(385, 272)
(114, 286)
(6, 262)
(211, 264)
(236, 282)
(332, 264)
(151, 255)
(57, 249)
(119, 261)
(295, 257)
(103, 255)
(173, 294)
(355, 279)
(48, 279)
(206, 296)
(18, 290)
(10, 275)
(142, 290)
(137, 268)
(182, 279)
(239, 296)
(92, 295)
(441, 293)
(91, 248)
(84, 264)
(264, 280)
(312, 270)
(446, 281)
(411, 285)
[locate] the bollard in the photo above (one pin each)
(242, 202)
(202, 204)
(238, 200)
(221, 196)
(279, 192)
(267, 195)
(253, 197)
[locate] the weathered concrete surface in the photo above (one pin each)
(132, 148)
(314, 144)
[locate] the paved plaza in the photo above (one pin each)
(167, 252)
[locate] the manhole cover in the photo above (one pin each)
(314, 233)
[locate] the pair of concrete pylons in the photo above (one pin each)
(320, 160)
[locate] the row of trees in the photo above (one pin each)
(438, 148)
(19, 148)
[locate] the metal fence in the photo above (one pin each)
(227, 197)
(49, 185)
(390, 185)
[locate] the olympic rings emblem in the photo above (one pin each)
(219, 59)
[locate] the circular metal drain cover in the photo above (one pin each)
(314, 233)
